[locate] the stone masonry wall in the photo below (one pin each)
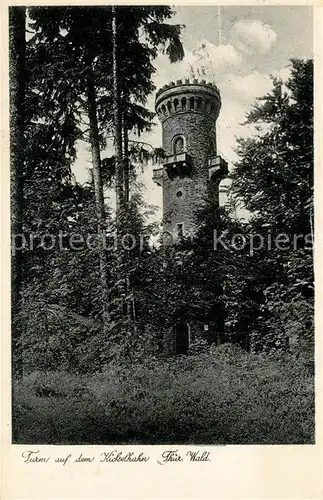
(197, 128)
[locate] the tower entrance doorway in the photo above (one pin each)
(182, 334)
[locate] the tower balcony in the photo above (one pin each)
(158, 176)
(178, 165)
(218, 168)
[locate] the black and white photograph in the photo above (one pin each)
(162, 226)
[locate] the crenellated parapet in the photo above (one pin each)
(187, 81)
(187, 95)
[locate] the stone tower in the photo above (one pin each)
(191, 174)
(192, 170)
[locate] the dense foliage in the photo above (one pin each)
(274, 179)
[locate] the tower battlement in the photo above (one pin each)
(187, 81)
(187, 95)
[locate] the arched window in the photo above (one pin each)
(176, 103)
(184, 103)
(199, 104)
(179, 145)
(212, 150)
(192, 103)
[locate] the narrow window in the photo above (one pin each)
(180, 230)
(184, 103)
(178, 145)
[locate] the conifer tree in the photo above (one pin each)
(71, 58)
(274, 179)
(17, 125)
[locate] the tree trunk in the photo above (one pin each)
(17, 97)
(131, 315)
(119, 165)
(99, 197)
(117, 119)
(125, 161)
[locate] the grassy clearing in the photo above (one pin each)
(226, 396)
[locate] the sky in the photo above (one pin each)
(238, 48)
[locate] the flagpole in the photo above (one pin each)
(219, 25)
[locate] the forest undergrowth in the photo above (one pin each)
(222, 396)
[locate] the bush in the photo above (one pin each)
(223, 396)
(200, 345)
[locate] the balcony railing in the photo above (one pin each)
(179, 164)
